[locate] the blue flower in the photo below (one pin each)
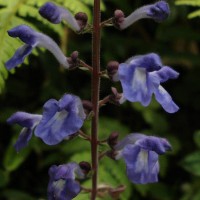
(56, 14)
(140, 154)
(62, 184)
(33, 39)
(60, 120)
(141, 77)
(28, 121)
(158, 11)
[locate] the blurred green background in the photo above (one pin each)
(24, 175)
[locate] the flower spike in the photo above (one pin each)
(33, 39)
(55, 14)
(140, 154)
(141, 76)
(158, 11)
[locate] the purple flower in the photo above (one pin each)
(60, 119)
(28, 121)
(62, 184)
(158, 11)
(56, 14)
(141, 76)
(33, 39)
(140, 154)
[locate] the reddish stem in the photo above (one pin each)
(96, 39)
(83, 64)
(85, 136)
(108, 22)
(104, 101)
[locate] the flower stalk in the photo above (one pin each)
(95, 94)
(140, 76)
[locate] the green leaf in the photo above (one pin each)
(13, 160)
(161, 191)
(188, 2)
(113, 173)
(176, 144)
(142, 189)
(194, 14)
(82, 196)
(81, 156)
(4, 178)
(74, 146)
(106, 126)
(163, 161)
(196, 138)
(195, 3)
(196, 196)
(16, 195)
(156, 120)
(191, 163)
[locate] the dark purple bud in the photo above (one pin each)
(74, 55)
(73, 60)
(85, 167)
(118, 18)
(87, 105)
(81, 19)
(112, 70)
(113, 139)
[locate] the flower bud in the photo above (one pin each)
(73, 60)
(118, 18)
(88, 107)
(113, 139)
(112, 70)
(81, 19)
(85, 167)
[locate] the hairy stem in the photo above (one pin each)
(95, 94)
